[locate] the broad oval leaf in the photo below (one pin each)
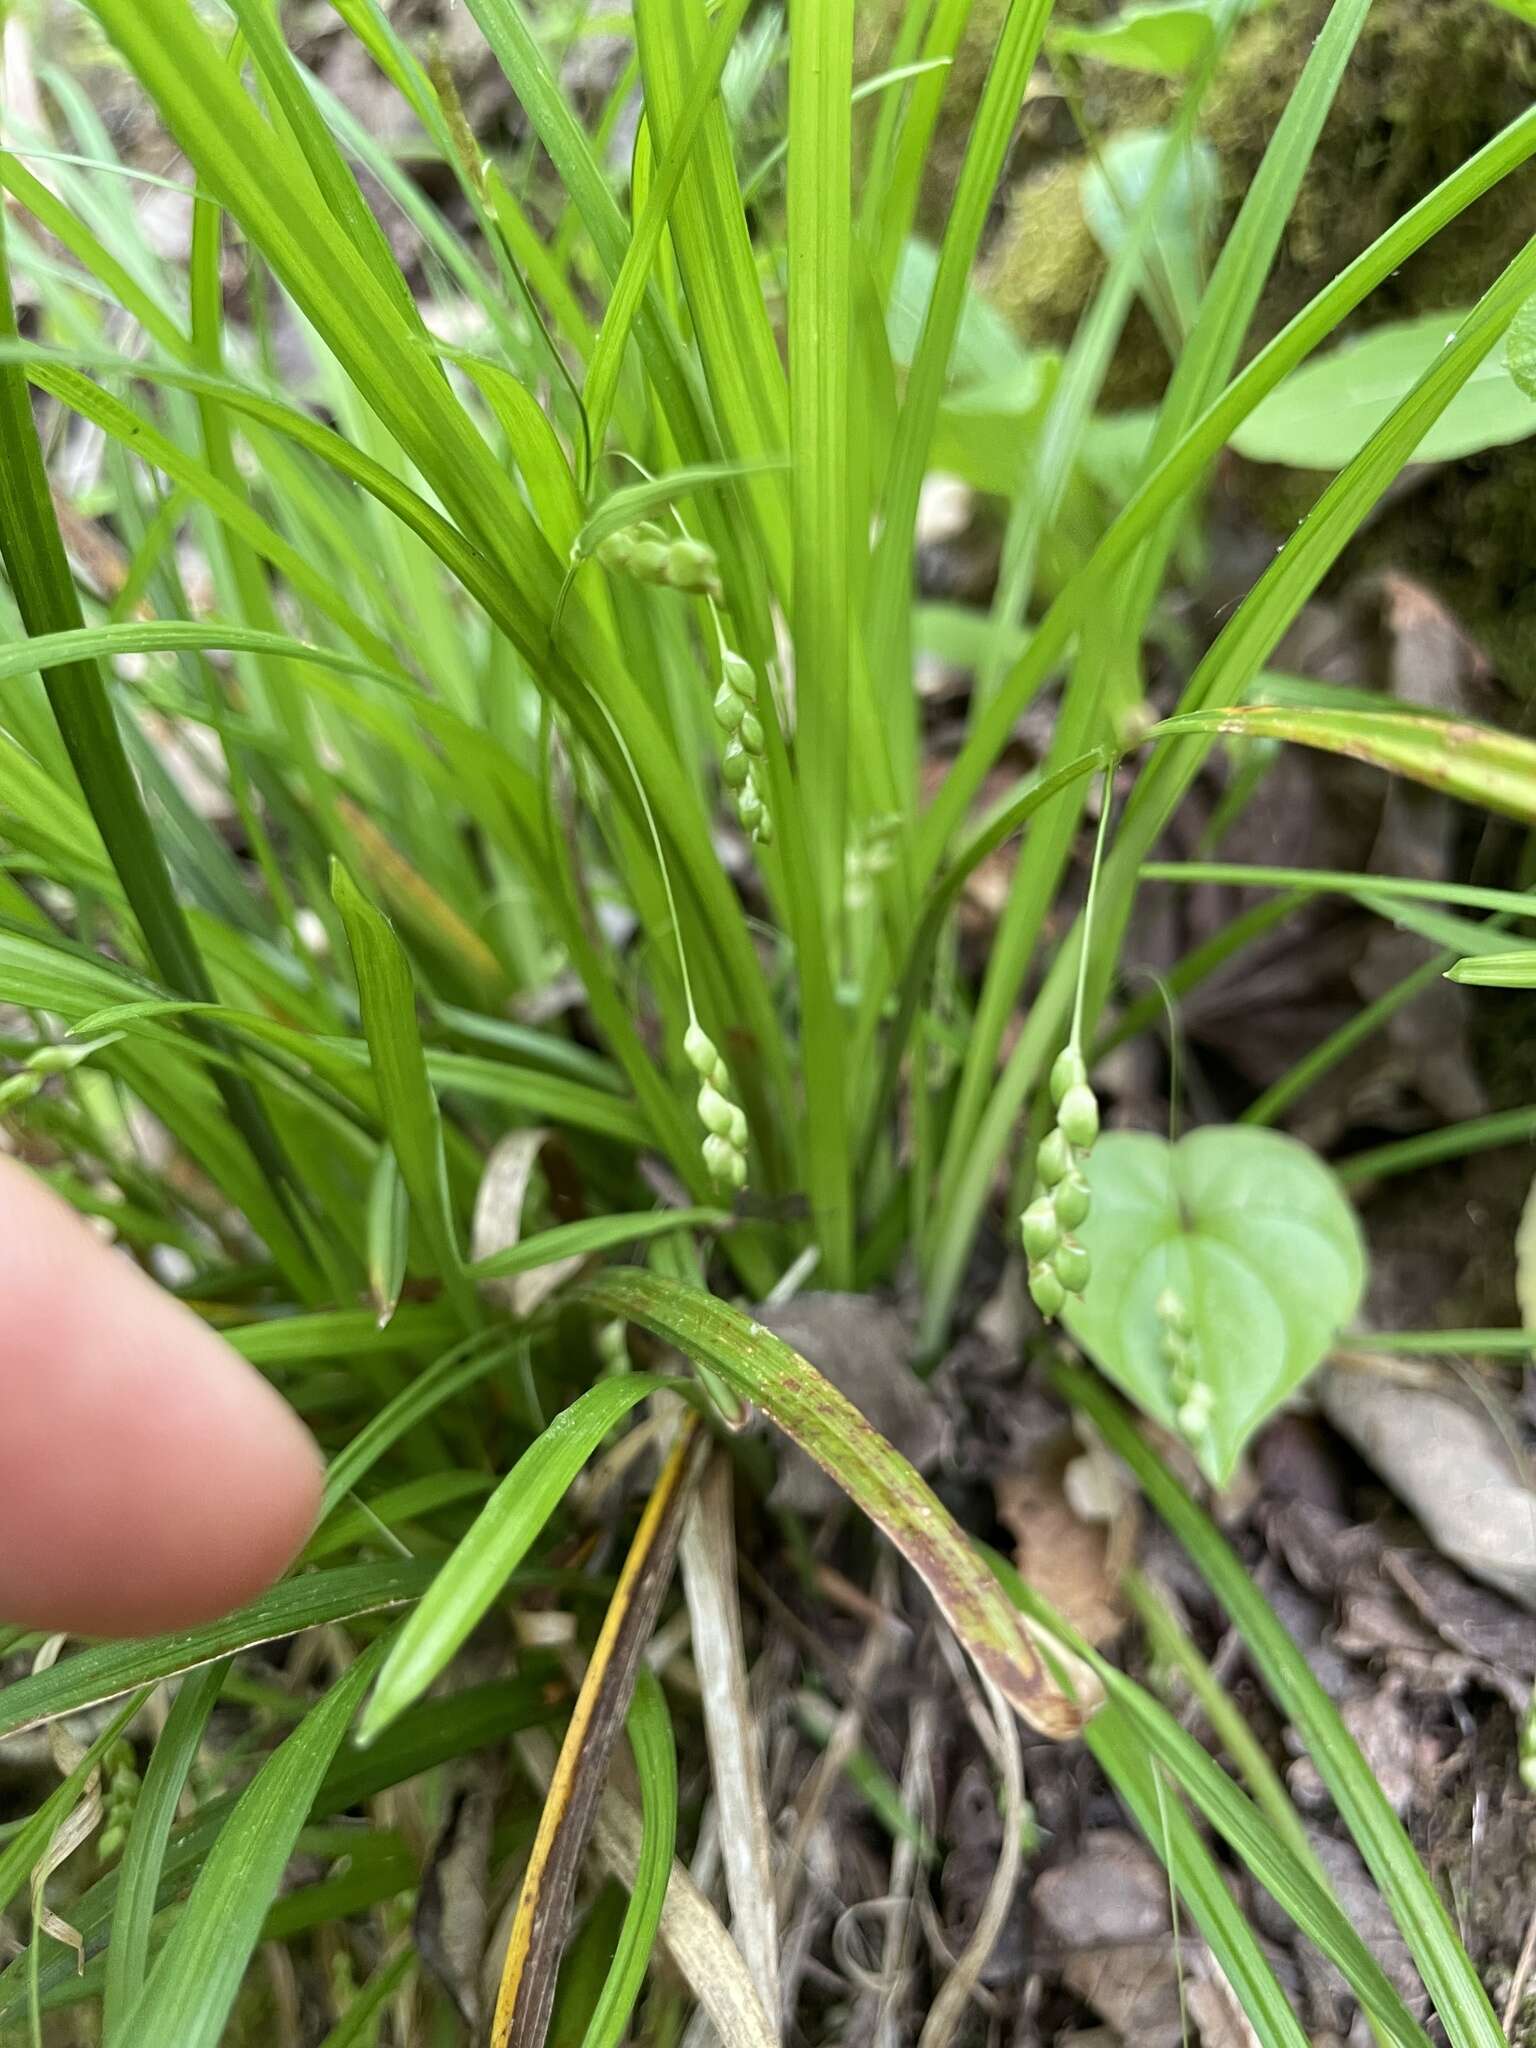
(1520, 348)
(1253, 1234)
(986, 350)
(1123, 179)
(1325, 412)
(987, 433)
(1166, 41)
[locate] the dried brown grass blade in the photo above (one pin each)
(691, 1932)
(542, 1920)
(735, 1756)
(500, 1203)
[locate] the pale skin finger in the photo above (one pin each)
(149, 1478)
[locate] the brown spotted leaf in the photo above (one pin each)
(1477, 763)
(813, 1414)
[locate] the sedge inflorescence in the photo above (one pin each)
(1058, 1263)
(724, 1120)
(651, 555)
(737, 717)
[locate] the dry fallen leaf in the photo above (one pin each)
(1217, 2012)
(708, 1563)
(706, 1958)
(1073, 1563)
(1406, 1608)
(1108, 1908)
(1371, 1918)
(450, 1922)
(1448, 1462)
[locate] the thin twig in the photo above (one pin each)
(955, 1995)
(844, 1738)
(1522, 1974)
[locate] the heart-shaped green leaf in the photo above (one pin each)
(1253, 1236)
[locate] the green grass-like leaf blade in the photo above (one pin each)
(106, 1669)
(1495, 970)
(1477, 763)
(138, 1877)
(502, 1534)
(412, 1120)
(194, 1981)
(824, 1423)
(655, 1755)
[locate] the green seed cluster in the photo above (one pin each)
(612, 1342)
(651, 555)
(20, 1087)
(344, 1984)
(41, 1066)
(1191, 1395)
(121, 1797)
(1058, 1263)
(736, 716)
(725, 1147)
(866, 860)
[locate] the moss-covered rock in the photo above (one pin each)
(1429, 83)
(1426, 87)
(1047, 263)
(1044, 269)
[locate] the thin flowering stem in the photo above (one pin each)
(1100, 840)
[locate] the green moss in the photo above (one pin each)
(1047, 263)
(1045, 268)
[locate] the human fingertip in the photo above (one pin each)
(149, 1477)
